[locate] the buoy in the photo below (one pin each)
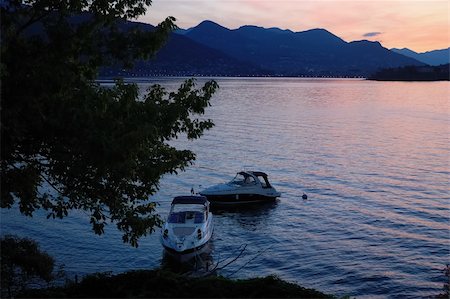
(304, 196)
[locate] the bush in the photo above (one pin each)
(164, 284)
(23, 265)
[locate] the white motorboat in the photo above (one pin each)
(246, 187)
(189, 225)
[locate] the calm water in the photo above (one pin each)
(373, 157)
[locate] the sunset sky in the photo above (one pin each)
(417, 25)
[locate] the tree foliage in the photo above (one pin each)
(69, 143)
(22, 263)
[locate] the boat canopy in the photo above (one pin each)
(259, 173)
(255, 173)
(248, 178)
(190, 200)
(265, 181)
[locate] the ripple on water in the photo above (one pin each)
(372, 157)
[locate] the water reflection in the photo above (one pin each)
(254, 209)
(372, 156)
(248, 216)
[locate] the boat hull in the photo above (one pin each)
(188, 261)
(188, 244)
(192, 250)
(227, 199)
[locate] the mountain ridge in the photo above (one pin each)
(433, 57)
(181, 56)
(210, 49)
(314, 52)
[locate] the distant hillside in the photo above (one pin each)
(181, 56)
(413, 73)
(210, 49)
(315, 52)
(436, 57)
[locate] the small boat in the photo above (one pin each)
(189, 225)
(246, 187)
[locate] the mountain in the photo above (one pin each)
(315, 52)
(210, 49)
(187, 57)
(435, 57)
(181, 56)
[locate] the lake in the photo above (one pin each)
(373, 158)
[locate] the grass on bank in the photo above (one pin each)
(165, 284)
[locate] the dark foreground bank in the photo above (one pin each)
(413, 73)
(164, 284)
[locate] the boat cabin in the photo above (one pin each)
(189, 209)
(249, 178)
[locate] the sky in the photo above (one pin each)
(419, 25)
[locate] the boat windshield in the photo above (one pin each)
(242, 179)
(187, 207)
(187, 212)
(183, 213)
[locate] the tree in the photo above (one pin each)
(68, 143)
(22, 263)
